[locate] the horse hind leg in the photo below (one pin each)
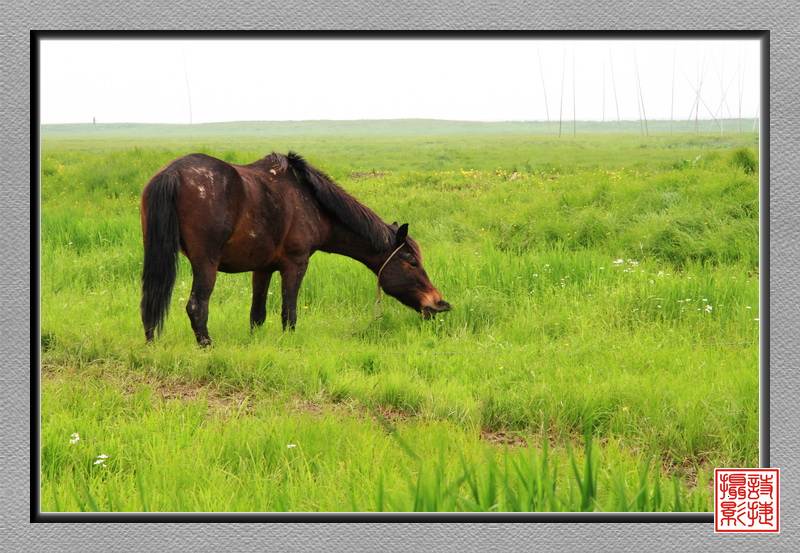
(205, 276)
(258, 309)
(291, 277)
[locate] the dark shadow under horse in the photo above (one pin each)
(267, 216)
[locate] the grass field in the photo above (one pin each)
(602, 352)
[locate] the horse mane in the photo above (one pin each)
(350, 212)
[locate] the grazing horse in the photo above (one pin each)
(268, 216)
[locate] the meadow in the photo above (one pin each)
(602, 353)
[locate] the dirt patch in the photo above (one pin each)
(502, 438)
(394, 416)
(50, 370)
(688, 471)
(230, 404)
(219, 403)
(348, 409)
(374, 174)
(182, 391)
(319, 409)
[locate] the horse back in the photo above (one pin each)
(244, 217)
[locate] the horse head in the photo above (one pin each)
(403, 277)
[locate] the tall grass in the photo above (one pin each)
(166, 454)
(605, 329)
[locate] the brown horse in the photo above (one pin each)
(267, 216)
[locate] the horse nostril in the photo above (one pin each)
(443, 305)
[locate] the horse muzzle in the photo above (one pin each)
(429, 311)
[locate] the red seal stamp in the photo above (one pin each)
(746, 500)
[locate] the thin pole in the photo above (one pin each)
(561, 106)
(718, 112)
(639, 107)
(697, 90)
(741, 85)
(639, 85)
(722, 85)
(544, 89)
(638, 96)
(699, 86)
(604, 91)
(614, 84)
(188, 92)
(672, 101)
(574, 122)
(724, 101)
(698, 101)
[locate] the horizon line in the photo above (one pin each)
(396, 119)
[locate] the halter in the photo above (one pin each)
(378, 309)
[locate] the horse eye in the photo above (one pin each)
(413, 264)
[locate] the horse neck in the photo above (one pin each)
(345, 242)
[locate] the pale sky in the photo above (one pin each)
(493, 79)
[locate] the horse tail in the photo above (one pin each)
(161, 247)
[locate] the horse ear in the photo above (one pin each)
(394, 224)
(400, 237)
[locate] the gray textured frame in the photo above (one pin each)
(19, 328)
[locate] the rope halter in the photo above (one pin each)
(378, 310)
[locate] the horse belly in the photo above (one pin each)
(247, 250)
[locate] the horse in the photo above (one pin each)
(270, 215)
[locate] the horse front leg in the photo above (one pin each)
(291, 278)
(258, 309)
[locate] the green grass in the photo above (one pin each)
(602, 353)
